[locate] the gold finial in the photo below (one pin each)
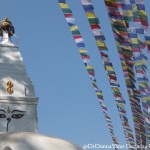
(6, 25)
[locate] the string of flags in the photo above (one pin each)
(131, 56)
(125, 53)
(131, 32)
(103, 50)
(86, 59)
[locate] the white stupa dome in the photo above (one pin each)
(33, 141)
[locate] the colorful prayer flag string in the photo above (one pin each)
(141, 21)
(140, 60)
(142, 79)
(129, 49)
(121, 37)
(99, 37)
(86, 59)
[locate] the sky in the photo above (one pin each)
(68, 107)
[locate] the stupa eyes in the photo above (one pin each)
(10, 114)
(14, 114)
(17, 116)
(2, 116)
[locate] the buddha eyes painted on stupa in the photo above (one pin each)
(17, 116)
(14, 116)
(11, 114)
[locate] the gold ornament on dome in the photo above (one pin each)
(9, 87)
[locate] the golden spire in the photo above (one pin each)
(6, 25)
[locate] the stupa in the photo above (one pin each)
(18, 103)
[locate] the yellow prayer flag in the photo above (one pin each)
(118, 22)
(100, 43)
(134, 40)
(123, 63)
(145, 61)
(90, 15)
(83, 51)
(128, 13)
(63, 5)
(129, 132)
(109, 68)
(121, 22)
(142, 84)
(89, 67)
(116, 89)
(74, 28)
(99, 93)
(134, 8)
(142, 12)
(135, 118)
(147, 98)
(117, 43)
(120, 105)
(148, 42)
(94, 83)
(141, 62)
(126, 78)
